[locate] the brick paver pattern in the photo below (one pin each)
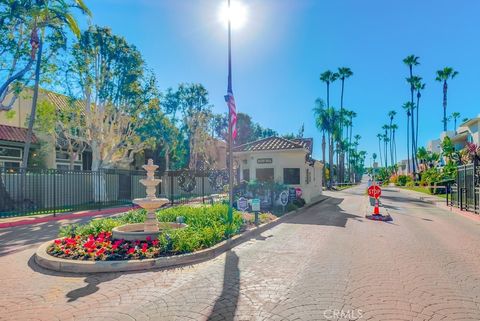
(329, 263)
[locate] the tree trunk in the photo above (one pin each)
(26, 148)
(414, 162)
(324, 157)
(99, 182)
(408, 142)
(445, 88)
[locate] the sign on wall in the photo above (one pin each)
(284, 198)
(264, 160)
(242, 204)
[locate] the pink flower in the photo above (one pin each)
(131, 250)
(149, 238)
(100, 251)
(155, 242)
(58, 242)
(144, 247)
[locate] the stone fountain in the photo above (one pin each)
(151, 228)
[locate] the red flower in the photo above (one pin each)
(58, 242)
(155, 242)
(100, 251)
(144, 247)
(114, 247)
(67, 251)
(131, 250)
(149, 238)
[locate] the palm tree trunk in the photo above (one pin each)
(26, 148)
(380, 149)
(324, 158)
(341, 151)
(416, 130)
(445, 88)
(408, 143)
(414, 163)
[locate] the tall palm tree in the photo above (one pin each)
(329, 77)
(394, 128)
(419, 87)
(321, 122)
(412, 61)
(351, 116)
(455, 116)
(385, 128)
(413, 81)
(49, 15)
(444, 75)
(343, 73)
(391, 115)
(380, 138)
(408, 107)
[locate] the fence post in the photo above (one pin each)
(203, 188)
(54, 194)
(171, 188)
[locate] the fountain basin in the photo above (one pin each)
(134, 232)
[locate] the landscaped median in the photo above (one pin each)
(90, 248)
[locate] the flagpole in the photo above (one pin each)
(230, 133)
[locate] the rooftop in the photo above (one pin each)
(276, 143)
(15, 134)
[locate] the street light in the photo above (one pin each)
(234, 14)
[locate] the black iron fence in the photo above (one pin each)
(465, 192)
(45, 191)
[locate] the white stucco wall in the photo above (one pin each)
(281, 160)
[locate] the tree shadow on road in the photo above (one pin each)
(226, 304)
(331, 214)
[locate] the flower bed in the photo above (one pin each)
(207, 226)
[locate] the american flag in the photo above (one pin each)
(233, 113)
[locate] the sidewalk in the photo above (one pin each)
(29, 220)
(438, 202)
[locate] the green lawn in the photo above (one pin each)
(423, 190)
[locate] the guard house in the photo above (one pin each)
(287, 161)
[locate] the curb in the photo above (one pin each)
(71, 216)
(43, 259)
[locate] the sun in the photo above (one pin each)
(237, 14)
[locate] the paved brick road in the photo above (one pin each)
(328, 261)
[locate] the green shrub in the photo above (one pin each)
(410, 184)
(291, 207)
(207, 225)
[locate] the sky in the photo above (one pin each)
(285, 44)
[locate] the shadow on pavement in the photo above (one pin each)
(331, 214)
(226, 304)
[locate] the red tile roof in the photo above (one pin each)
(15, 134)
(270, 143)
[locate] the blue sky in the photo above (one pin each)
(285, 45)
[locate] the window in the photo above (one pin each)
(62, 155)
(291, 176)
(9, 152)
(265, 174)
(246, 175)
(65, 167)
(11, 165)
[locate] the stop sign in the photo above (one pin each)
(374, 191)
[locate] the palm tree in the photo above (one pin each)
(343, 73)
(321, 122)
(380, 138)
(49, 15)
(329, 77)
(391, 115)
(351, 116)
(444, 75)
(394, 128)
(419, 86)
(411, 61)
(408, 107)
(455, 116)
(385, 128)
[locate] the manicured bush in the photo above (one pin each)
(402, 180)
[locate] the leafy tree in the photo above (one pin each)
(444, 75)
(108, 76)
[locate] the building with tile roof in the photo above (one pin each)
(286, 161)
